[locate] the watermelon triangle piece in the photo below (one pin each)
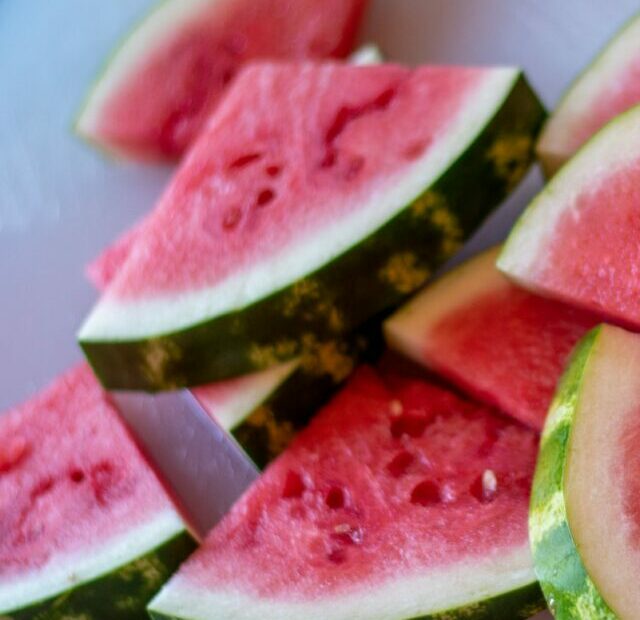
(160, 86)
(608, 87)
(399, 501)
(501, 344)
(336, 177)
(578, 240)
(585, 517)
(86, 529)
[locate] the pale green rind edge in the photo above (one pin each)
(570, 592)
(551, 163)
(121, 594)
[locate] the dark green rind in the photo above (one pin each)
(268, 430)
(518, 604)
(569, 591)
(378, 273)
(122, 594)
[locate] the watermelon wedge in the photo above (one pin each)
(159, 88)
(585, 518)
(399, 501)
(610, 86)
(337, 177)
(86, 529)
(501, 344)
(577, 241)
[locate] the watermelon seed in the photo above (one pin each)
(265, 197)
(335, 498)
(274, 170)
(103, 479)
(337, 556)
(231, 218)
(348, 534)
(413, 151)
(396, 408)
(13, 453)
(485, 487)
(411, 424)
(76, 475)
(400, 463)
(42, 488)
(426, 493)
(294, 486)
(245, 160)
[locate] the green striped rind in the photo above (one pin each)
(388, 266)
(567, 587)
(268, 430)
(119, 595)
(518, 604)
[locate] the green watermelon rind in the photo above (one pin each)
(567, 587)
(547, 151)
(390, 264)
(121, 594)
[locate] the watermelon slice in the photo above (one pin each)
(86, 529)
(578, 240)
(399, 501)
(280, 212)
(501, 344)
(585, 515)
(610, 86)
(159, 88)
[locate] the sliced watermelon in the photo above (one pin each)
(585, 511)
(159, 88)
(280, 212)
(501, 344)
(578, 240)
(610, 86)
(399, 501)
(86, 529)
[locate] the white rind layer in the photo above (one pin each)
(248, 394)
(524, 253)
(556, 141)
(68, 571)
(155, 28)
(441, 589)
(407, 331)
(122, 320)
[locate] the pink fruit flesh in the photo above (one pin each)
(592, 260)
(70, 475)
(262, 177)
(104, 267)
(627, 468)
(508, 348)
(351, 501)
(168, 96)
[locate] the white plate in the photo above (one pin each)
(61, 202)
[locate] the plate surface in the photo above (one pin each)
(61, 202)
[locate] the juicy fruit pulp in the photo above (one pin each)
(502, 344)
(279, 210)
(74, 494)
(587, 479)
(396, 486)
(577, 241)
(606, 89)
(168, 77)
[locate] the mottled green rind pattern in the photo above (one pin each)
(122, 594)
(569, 591)
(517, 604)
(387, 266)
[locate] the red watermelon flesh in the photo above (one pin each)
(72, 480)
(500, 343)
(277, 176)
(159, 90)
(393, 480)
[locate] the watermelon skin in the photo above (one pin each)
(570, 592)
(159, 87)
(334, 473)
(121, 594)
(606, 88)
(388, 265)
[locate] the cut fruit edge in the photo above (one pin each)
(471, 584)
(611, 148)
(554, 144)
(573, 498)
(78, 568)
